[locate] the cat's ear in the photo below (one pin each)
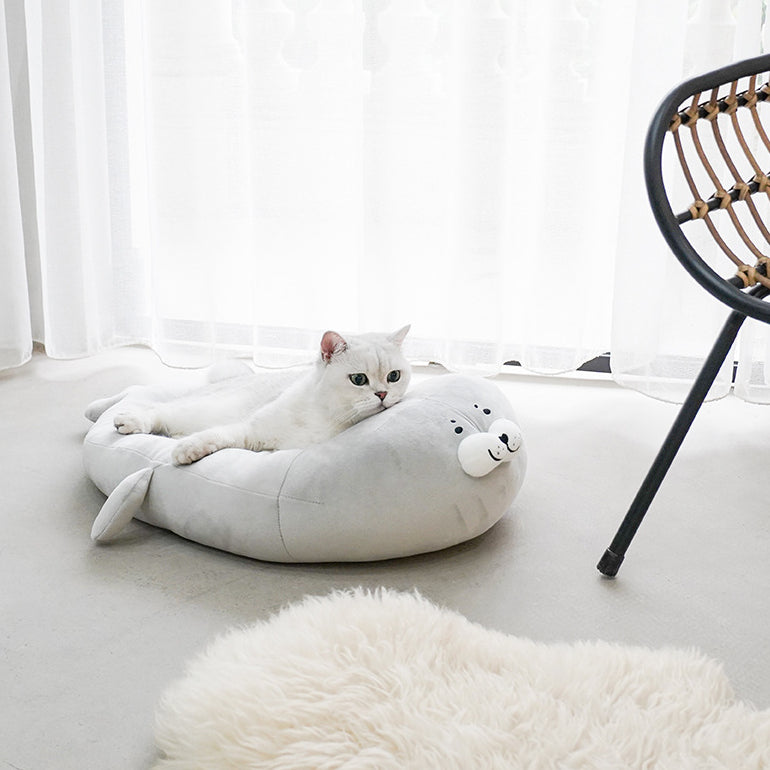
(398, 337)
(332, 344)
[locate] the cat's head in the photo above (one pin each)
(362, 374)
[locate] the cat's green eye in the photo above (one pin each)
(359, 379)
(394, 376)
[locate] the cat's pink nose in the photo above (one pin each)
(381, 394)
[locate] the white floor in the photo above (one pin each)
(90, 635)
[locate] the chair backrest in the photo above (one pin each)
(712, 125)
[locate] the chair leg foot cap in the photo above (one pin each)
(610, 563)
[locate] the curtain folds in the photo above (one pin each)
(218, 177)
(15, 329)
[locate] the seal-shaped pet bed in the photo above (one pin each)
(423, 475)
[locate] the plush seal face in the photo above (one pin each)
(480, 453)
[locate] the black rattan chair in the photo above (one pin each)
(712, 124)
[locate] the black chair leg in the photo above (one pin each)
(613, 557)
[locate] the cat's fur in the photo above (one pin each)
(286, 409)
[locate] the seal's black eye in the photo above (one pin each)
(359, 379)
(394, 376)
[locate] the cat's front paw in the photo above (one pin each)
(192, 448)
(135, 420)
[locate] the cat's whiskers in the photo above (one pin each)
(357, 412)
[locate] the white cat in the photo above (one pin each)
(352, 379)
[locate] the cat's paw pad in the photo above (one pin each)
(133, 421)
(192, 448)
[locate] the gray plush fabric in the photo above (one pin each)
(390, 486)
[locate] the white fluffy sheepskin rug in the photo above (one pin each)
(389, 681)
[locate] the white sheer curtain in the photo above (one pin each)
(219, 176)
(362, 165)
(15, 331)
